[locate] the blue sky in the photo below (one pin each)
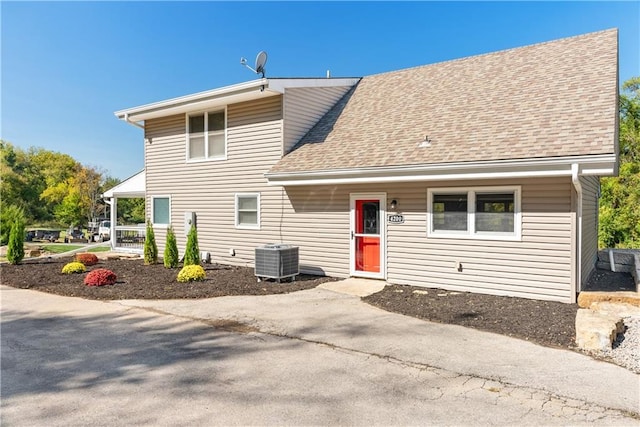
(67, 66)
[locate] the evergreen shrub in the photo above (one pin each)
(15, 249)
(192, 252)
(170, 256)
(150, 246)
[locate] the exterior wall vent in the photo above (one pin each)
(276, 262)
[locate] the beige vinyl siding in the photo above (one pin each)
(590, 191)
(304, 107)
(316, 218)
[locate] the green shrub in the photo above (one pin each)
(15, 250)
(170, 255)
(74, 267)
(8, 215)
(191, 273)
(192, 252)
(86, 258)
(100, 277)
(150, 246)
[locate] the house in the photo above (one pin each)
(478, 174)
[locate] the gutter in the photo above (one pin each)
(131, 122)
(575, 179)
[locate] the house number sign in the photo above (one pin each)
(395, 219)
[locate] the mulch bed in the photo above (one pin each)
(544, 322)
(139, 281)
(547, 323)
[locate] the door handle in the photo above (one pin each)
(351, 234)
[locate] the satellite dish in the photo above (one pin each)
(261, 59)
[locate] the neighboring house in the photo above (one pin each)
(478, 174)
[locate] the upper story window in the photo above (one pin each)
(474, 213)
(207, 136)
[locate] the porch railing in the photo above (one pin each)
(130, 237)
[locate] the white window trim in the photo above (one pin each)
(471, 233)
(153, 201)
(206, 157)
(245, 226)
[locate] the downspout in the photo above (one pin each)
(575, 179)
(131, 122)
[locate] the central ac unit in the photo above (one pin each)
(276, 262)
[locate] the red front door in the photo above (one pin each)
(367, 232)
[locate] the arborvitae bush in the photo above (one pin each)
(170, 256)
(74, 267)
(8, 215)
(100, 277)
(87, 258)
(192, 252)
(150, 246)
(15, 250)
(191, 273)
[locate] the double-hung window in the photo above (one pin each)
(207, 136)
(474, 213)
(248, 210)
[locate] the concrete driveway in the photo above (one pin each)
(315, 357)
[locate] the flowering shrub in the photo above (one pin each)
(100, 277)
(74, 267)
(87, 258)
(191, 273)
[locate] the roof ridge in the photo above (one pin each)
(495, 53)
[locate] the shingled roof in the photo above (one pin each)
(551, 99)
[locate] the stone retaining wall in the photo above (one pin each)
(625, 260)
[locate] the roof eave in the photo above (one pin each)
(591, 165)
(241, 92)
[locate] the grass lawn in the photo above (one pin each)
(100, 249)
(58, 249)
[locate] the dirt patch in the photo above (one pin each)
(544, 322)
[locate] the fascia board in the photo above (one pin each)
(589, 165)
(246, 91)
(146, 111)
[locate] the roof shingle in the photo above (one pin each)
(551, 99)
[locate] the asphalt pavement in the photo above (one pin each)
(315, 357)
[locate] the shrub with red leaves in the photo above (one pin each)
(100, 277)
(87, 258)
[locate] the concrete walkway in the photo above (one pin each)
(344, 321)
(228, 358)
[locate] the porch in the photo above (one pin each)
(126, 237)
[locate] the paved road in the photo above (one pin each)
(313, 357)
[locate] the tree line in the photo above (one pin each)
(52, 189)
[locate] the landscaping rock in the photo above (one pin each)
(597, 331)
(33, 253)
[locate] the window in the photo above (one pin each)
(161, 210)
(476, 213)
(206, 136)
(248, 210)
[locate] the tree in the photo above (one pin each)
(15, 249)
(619, 206)
(150, 246)
(192, 253)
(170, 256)
(8, 215)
